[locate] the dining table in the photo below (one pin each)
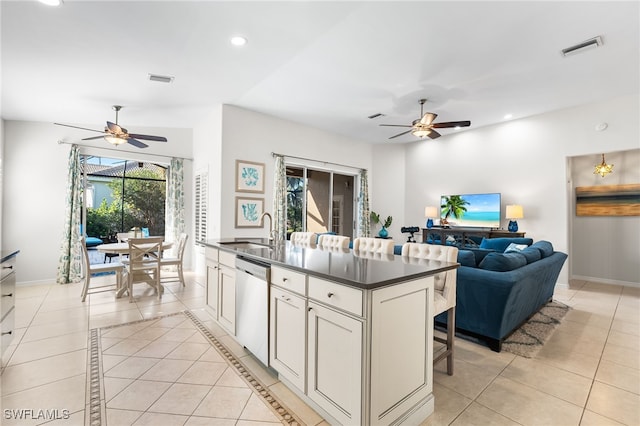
(122, 249)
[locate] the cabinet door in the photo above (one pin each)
(212, 287)
(287, 336)
(335, 363)
(227, 298)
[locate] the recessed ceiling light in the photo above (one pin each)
(457, 128)
(508, 116)
(51, 2)
(238, 41)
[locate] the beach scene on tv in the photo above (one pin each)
(472, 210)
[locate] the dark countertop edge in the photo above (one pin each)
(344, 281)
(6, 255)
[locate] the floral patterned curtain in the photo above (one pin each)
(280, 198)
(69, 265)
(364, 227)
(174, 204)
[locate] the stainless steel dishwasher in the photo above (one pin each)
(252, 307)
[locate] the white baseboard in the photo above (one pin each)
(606, 281)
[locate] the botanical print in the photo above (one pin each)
(249, 176)
(248, 212)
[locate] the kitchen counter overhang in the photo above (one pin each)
(366, 271)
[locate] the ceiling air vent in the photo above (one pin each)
(161, 78)
(592, 43)
(371, 117)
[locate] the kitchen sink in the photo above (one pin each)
(244, 245)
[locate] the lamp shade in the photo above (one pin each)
(115, 140)
(514, 211)
(430, 211)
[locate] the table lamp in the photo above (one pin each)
(430, 212)
(514, 211)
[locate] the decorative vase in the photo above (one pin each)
(383, 233)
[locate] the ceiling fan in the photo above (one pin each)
(117, 135)
(424, 126)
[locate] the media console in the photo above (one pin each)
(459, 236)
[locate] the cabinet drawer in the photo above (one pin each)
(8, 266)
(7, 293)
(7, 330)
(211, 253)
(290, 280)
(333, 294)
(226, 258)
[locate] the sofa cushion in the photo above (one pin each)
(500, 244)
(545, 247)
(466, 258)
(479, 253)
(532, 254)
(502, 262)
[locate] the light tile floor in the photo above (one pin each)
(588, 373)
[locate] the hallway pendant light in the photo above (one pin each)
(603, 168)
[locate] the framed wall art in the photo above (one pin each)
(248, 212)
(249, 176)
(608, 200)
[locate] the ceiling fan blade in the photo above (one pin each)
(428, 118)
(148, 137)
(394, 125)
(137, 143)
(81, 128)
(93, 138)
(400, 134)
(451, 124)
(433, 134)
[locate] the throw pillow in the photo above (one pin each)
(532, 254)
(466, 258)
(501, 262)
(500, 244)
(545, 247)
(515, 247)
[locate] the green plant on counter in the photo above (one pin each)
(375, 218)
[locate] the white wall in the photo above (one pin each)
(525, 160)
(252, 136)
(605, 248)
(386, 186)
(34, 185)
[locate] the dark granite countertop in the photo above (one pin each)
(341, 266)
(8, 254)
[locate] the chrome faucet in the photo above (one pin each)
(272, 231)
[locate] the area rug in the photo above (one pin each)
(95, 407)
(527, 340)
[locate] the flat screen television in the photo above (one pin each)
(472, 210)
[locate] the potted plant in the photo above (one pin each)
(375, 218)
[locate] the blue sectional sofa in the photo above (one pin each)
(499, 286)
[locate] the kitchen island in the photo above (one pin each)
(351, 335)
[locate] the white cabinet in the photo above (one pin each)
(287, 337)
(335, 363)
(227, 298)
(221, 287)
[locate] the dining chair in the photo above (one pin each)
(90, 269)
(308, 239)
(333, 241)
(178, 259)
(143, 264)
(375, 245)
(444, 297)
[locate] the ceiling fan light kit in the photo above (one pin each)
(424, 126)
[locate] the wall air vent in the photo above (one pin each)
(161, 78)
(592, 43)
(377, 115)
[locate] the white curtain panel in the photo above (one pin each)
(69, 265)
(280, 198)
(174, 204)
(364, 227)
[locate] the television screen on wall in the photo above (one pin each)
(474, 210)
